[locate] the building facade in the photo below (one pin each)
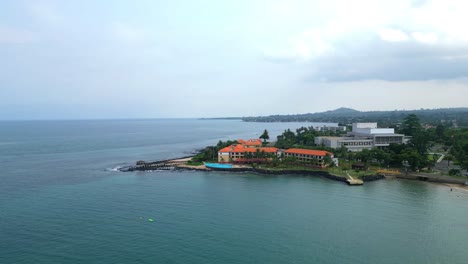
(364, 136)
(242, 153)
(308, 155)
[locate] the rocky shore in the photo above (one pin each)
(181, 164)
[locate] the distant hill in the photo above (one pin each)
(220, 118)
(342, 110)
(449, 116)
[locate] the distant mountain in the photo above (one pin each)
(450, 116)
(342, 110)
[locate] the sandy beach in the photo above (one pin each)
(459, 187)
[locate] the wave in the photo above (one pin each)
(116, 168)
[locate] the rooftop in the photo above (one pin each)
(308, 152)
(238, 148)
(250, 142)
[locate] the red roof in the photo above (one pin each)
(241, 149)
(312, 152)
(250, 142)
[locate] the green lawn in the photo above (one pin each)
(194, 163)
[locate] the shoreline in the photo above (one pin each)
(181, 164)
(463, 188)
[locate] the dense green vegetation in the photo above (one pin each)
(449, 117)
(210, 153)
(413, 156)
(458, 142)
(303, 138)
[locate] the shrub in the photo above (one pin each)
(454, 172)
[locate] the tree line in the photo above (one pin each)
(414, 155)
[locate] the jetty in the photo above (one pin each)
(352, 181)
(156, 165)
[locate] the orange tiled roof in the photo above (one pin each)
(241, 149)
(308, 152)
(250, 142)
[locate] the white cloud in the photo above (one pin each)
(312, 43)
(9, 35)
(393, 35)
(309, 44)
(426, 38)
(446, 18)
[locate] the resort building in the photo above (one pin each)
(308, 155)
(253, 143)
(364, 136)
(242, 153)
(249, 151)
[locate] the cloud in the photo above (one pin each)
(393, 35)
(9, 35)
(427, 38)
(390, 61)
(310, 44)
(395, 41)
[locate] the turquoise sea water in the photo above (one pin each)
(61, 202)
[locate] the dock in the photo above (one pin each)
(351, 181)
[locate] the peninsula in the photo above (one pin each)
(352, 153)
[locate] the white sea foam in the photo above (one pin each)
(114, 169)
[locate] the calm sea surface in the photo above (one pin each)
(61, 202)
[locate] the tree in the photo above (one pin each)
(462, 157)
(265, 136)
(327, 160)
(411, 125)
(440, 131)
(420, 140)
(448, 158)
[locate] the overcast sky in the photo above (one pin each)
(125, 59)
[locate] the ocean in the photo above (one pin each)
(62, 201)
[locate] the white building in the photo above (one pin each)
(330, 128)
(364, 136)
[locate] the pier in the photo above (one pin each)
(351, 181)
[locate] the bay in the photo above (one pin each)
(60, 202)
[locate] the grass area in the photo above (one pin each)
(283, 166)
(433, 157)
(454, 176)
(430, 157)
(340, 171)
(194, 163)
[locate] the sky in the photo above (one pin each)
(80, 59)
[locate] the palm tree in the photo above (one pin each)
(265, 136)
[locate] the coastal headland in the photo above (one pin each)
(182, 163)
(365, 153)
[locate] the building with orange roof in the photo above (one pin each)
(308, 155)
(250, 142)
(239, 152)
(252, 151)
